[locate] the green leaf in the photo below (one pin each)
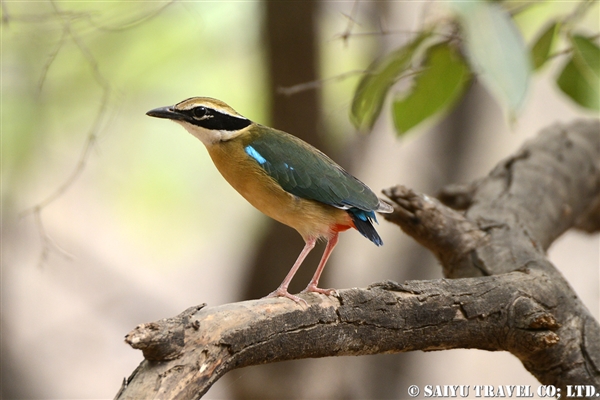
(496, 50)
(580, 78)
(587, 55)
(374, 85)
(435, 90)
(544, 45)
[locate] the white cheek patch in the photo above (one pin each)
(228, 135)
(210, 136)
(206, 136)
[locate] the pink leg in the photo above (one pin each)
(312, 286)
(282, 290)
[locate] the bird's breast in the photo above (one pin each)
(310, 218)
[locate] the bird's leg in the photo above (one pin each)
(312, 286)
(282, 290)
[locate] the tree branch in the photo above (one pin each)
(506, 295)
(185, 355)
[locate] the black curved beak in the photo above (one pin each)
(165, 112)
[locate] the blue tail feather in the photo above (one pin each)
(363, 220)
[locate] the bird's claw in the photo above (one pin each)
(315, 289)
(286, 294)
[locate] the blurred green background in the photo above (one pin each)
(148, 227)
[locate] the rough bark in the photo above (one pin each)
(504, 294)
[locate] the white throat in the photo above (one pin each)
(209, 136)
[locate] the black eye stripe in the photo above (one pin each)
(209, 118)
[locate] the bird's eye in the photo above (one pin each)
(199, 112)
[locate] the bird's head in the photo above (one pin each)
(210, 120)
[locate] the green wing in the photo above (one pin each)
(304, 171)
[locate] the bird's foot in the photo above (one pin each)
(284, 293)
(314, 289)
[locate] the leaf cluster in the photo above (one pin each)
(478, 39)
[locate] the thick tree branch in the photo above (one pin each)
(185, 355)
(513, 215)
(506, 295)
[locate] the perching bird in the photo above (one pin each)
(282, 176)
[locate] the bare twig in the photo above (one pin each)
(47, 242)
(569, 50)
(519, 7)
(46, 16)
(52, 57)
(579, 11)
(66, 18)
(134, 22)
(36, 210)
(351, 22)
(301, 87)
(560, 53)
(383, 32)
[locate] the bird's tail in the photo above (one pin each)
(363, 222)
